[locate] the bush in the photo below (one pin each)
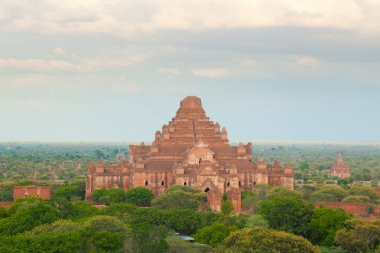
(324, 223)
(286, 210)
(213, 235)
(139, 196)
(259, 240)
(356, 199)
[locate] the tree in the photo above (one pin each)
(256, 220)
(307, 190)
(65, 192)
(139, 196)
(184, 221)
(258, 240)
(122, 211)
(146, 238)
(178, 245)
(180, 197)
(356, 199)
(25, 214)
(248, 201)
(363, 190)
(3, 213)
(329, 193)
(286, 210)
(213, 235)
(324, 223)
(99, 154)
(227, 211)
(359, 236)
(304, 166)
(106, 233)
(108, 196)
(6, 195)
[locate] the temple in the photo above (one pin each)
(193, 151)
(340, 169)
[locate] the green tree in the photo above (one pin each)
(248, 201)
(356, 199)
(178, 245)
(227, 211)
(258, 240)
(329, 193)
(324, 223)
(25, 214)
(99, 154)
(304, 166)
(180, 197)
(363, 190)
(359, 236)
(185, 221)
(67, 192)
(106, 241)
(108, 196)
(285, 209)
(213, 235)
(146, 238)
(139, 196)
(106, 233)
(3, 213)
(307, 190)
(6, 195)
(256, 220)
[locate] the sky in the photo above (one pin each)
(116, 70)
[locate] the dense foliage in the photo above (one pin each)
(258, 240)
(286, 210)
(359, 236)
(324, 223)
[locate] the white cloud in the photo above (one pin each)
(211, 72)
(169, 71)
(89, 64)
(59, 51)
(37, 64)
(307, 61)
(126, 87)
(27, 104)
(124, 18)
(244, 62)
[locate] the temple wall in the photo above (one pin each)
(358, 209)
(20, 192)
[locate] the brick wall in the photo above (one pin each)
(20, 192)
(357, 209)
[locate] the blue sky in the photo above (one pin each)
(117, 70)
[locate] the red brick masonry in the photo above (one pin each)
(20, 192)
(357, 209)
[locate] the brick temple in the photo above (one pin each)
(193, 151)
(340, 169)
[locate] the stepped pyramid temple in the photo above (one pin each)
(340, 169)
(193, 151)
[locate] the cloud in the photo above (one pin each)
(307, 61)
(37, 64)
(59, 51)
(211, 72)
(169, 71)
(126, 87)
(27, 104)
(89, 64)
(128, 18)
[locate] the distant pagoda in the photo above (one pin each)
(340, 169)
